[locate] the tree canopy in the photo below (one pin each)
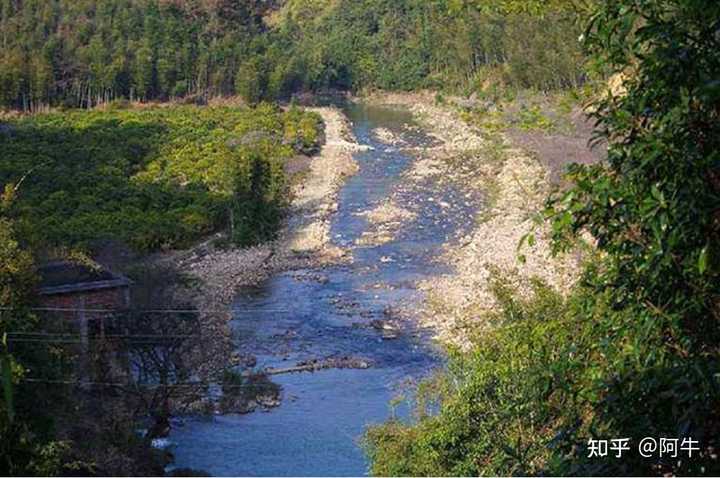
(82, 53)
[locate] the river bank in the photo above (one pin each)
(514, 184)
(208, 276)
(303, 242)
(346, 331)
(511, 184)
(404, 252)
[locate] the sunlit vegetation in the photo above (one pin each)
(80, 53)
(84, 53)
(154, 178)
(632, 353)
(412, 44)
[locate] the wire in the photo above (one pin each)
(112, 336)
(147, 386)
(162, 311)
(110, 312)
(74, 341)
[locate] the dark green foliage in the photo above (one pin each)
(653, 206)
(84, 53)
(500, 404)
(16, 282)
(550, 375)
(26, 443)
(251, 81)
(155, 178)
(258, 202)
(633, 352)
(410, 44)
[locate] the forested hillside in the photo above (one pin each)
(81, 53)
(410, 44)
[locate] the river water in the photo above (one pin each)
(324, 313)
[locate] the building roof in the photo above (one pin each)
(63, 277)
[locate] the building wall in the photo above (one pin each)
(111, 299)
(85, 316)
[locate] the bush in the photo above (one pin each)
(495, 402)
(632, 353)
(551, 374)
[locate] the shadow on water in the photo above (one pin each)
(321, 313)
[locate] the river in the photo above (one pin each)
(328, 312)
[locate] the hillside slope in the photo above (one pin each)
(89, 52)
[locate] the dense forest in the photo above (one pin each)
(82, 53)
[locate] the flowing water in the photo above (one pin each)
(327, 312)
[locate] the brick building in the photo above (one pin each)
(81, 293)
(73, 285)
(88, 298)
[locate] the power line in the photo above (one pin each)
(146, 386)
(82, 341)
(76, 338)
(170, 311)
(109, 311)
(111, 336)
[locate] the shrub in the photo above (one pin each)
(632, 353)
(155, 178)
(551, 374)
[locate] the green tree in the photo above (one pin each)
(633, 352)
(251, 81)
(257, 205)
(11, 77)
(653, 206)
(144, 70)
(20, 446)
(41, 79)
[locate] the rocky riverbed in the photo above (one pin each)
(303, 243)
(393, 238)
(214, 272)
(515, 184)
(337, 330)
